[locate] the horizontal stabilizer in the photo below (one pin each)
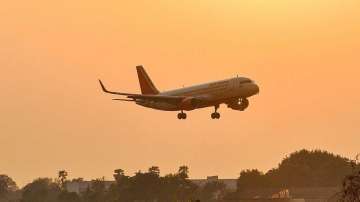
(135, 97)
(119, 99)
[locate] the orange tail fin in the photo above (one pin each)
(146, 85)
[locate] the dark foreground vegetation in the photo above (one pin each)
(351, 184)
(300, 169)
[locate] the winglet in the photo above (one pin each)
(103, 87)
(112, 92)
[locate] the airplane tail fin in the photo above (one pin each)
(146, 85)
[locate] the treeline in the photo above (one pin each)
(143, 186)
(300, 169)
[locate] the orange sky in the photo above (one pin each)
(303, 54)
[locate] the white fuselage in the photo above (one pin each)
(214, 93)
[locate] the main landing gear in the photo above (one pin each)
(216, 115)
(181, 115)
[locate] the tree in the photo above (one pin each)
(300, 169)
(150, 186)
(351, 184)
(118, 174)
(62, 175)
(119, 191)
(96, 192)
(311, 169)
(8, 189)
(251, 179)
(185, 189)
(41, 190)
(7, 185)
(145, 186)
(154, 170)
(183, 172)
(176, 188)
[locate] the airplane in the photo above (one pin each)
(233, 92)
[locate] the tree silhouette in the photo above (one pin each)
(7, 185)
(120, 191)
(300, 169)
(118, 173)
(251, 179)
(351, 184)
(183, 172)
(154, 170)
(150, 186)
(40, 190)
(96, 192)
(8, 189)
(62, 175)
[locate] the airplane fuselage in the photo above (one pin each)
(213, 93)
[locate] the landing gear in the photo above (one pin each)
(181, 115)
(215, 115)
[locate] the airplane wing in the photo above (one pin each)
(134, 97)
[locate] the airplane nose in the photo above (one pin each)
(257, 89)
(254, 89)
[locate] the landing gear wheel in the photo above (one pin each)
(181, 115)
(215, 115)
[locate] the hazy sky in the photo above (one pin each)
(304, 54)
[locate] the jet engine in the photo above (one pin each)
(239, 104)
(190, 103)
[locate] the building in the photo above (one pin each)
(80, 186)
(230, 184)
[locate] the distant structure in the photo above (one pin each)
(230, 184)
(81, 186)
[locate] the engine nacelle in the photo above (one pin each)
(240, 104)
(189, 103)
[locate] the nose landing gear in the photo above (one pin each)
(182, 115)
(215, 115)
